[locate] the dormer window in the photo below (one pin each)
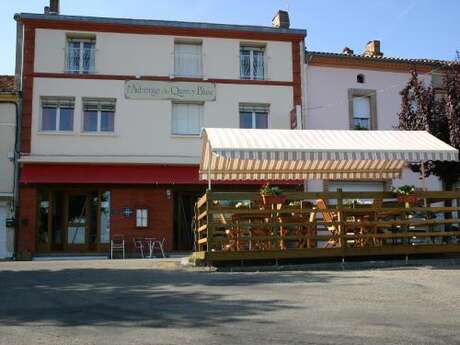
(360, 79)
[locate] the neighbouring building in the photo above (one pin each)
(8, 108)
(112, 113)
(362, 92)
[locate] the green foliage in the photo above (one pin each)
(420, 110)
(404, 190)
(267, 189)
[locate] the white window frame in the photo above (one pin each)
(45, 100)
(173, 104)
(254, 112)
(100, 104)
(177, 54)
(81, 41)
(142, 218)
(251, 61)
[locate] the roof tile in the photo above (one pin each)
(7, 83)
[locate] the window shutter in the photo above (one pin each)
(256, 108)
(187, 59)
(95, 104)
(54, 102)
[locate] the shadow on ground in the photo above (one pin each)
(144, 297)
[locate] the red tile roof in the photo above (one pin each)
(382, 58)
(7, 83)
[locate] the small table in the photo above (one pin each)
(152, 243)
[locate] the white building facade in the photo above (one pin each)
(8, 106)
(113, 107)
(360, 92)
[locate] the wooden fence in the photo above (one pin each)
(239, 226)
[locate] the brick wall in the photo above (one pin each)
(26, 235)
(160, 211)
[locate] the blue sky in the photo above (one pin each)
(407, 28)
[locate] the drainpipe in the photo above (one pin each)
(305, 105)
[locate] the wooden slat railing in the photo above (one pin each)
(301, 228)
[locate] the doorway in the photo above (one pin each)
(184, 203)
(74, 221)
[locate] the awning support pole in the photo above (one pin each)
(209, 177)
(422, 170)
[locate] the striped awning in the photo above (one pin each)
(276, 154)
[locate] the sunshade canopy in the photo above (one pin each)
(277, 154)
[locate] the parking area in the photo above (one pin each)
(138, 302)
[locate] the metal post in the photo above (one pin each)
(209, 176)
(422, 170)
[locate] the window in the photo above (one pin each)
(142, 218)
(361, 112)
(187, 59)
(80, 55)
(98, 115)
(104, 217)
(360, 78)
(57, 114)
(362, 109)
(254, 116)
(357, 186)
(252, 63)
(187, 118)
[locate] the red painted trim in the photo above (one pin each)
(27, 82)
(160, 78)
(158, 30)
(119, 174)
(296, 74)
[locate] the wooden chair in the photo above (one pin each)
(329, 217)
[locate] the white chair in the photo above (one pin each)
(117, 244)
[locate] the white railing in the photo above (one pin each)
(80, 60)
(253, 67)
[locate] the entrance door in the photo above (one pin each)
(184, 203)
(77, 222)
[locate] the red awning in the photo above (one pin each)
(118, 174)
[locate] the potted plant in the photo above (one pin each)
(406, 194)
(272, 195)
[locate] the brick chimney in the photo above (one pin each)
(281, 20)
(53, 8)
(373, 48)
(348, 51)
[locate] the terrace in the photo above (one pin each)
(240, 226)
(250, 225)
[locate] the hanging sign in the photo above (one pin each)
(178, 91)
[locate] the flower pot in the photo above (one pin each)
(273, 199)
(410, 199)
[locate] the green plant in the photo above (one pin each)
(404, 190)
(360, 128)
(270, 190)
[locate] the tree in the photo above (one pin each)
(448, 127)
(418, 112)
(421, 111)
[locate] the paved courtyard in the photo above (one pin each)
(134, 302)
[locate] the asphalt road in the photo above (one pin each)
(132, 302)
